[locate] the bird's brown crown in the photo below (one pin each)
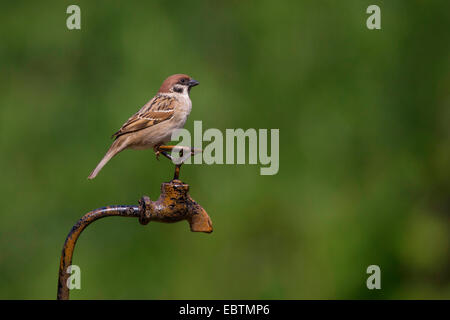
(172, 80)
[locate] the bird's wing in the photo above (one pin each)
(160, 108)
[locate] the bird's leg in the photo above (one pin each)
(183, 151)
(168, 156)
(177, 161)
(159, 150)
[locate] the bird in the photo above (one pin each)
(152, 126)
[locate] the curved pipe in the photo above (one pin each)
(174, 204)
(71, 240)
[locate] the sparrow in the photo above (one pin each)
(153, 125)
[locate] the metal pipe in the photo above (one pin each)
(174, 204)
(71, 240)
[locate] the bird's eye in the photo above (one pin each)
(183, 80)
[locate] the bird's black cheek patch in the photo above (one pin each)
(178, 89)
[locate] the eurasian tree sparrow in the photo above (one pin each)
(153, 125)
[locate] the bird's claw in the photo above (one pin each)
(157, 152)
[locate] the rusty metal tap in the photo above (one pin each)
(174, 204)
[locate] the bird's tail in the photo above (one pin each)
(113, 150)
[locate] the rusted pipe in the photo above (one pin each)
(174, 204)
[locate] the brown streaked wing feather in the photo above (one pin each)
(157, 110)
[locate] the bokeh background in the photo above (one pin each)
(364, 148)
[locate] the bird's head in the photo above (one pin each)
(178, 83)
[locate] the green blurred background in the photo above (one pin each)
(364, 148)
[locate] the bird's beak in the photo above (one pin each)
(193, 83)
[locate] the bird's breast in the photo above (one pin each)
(182, 110)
